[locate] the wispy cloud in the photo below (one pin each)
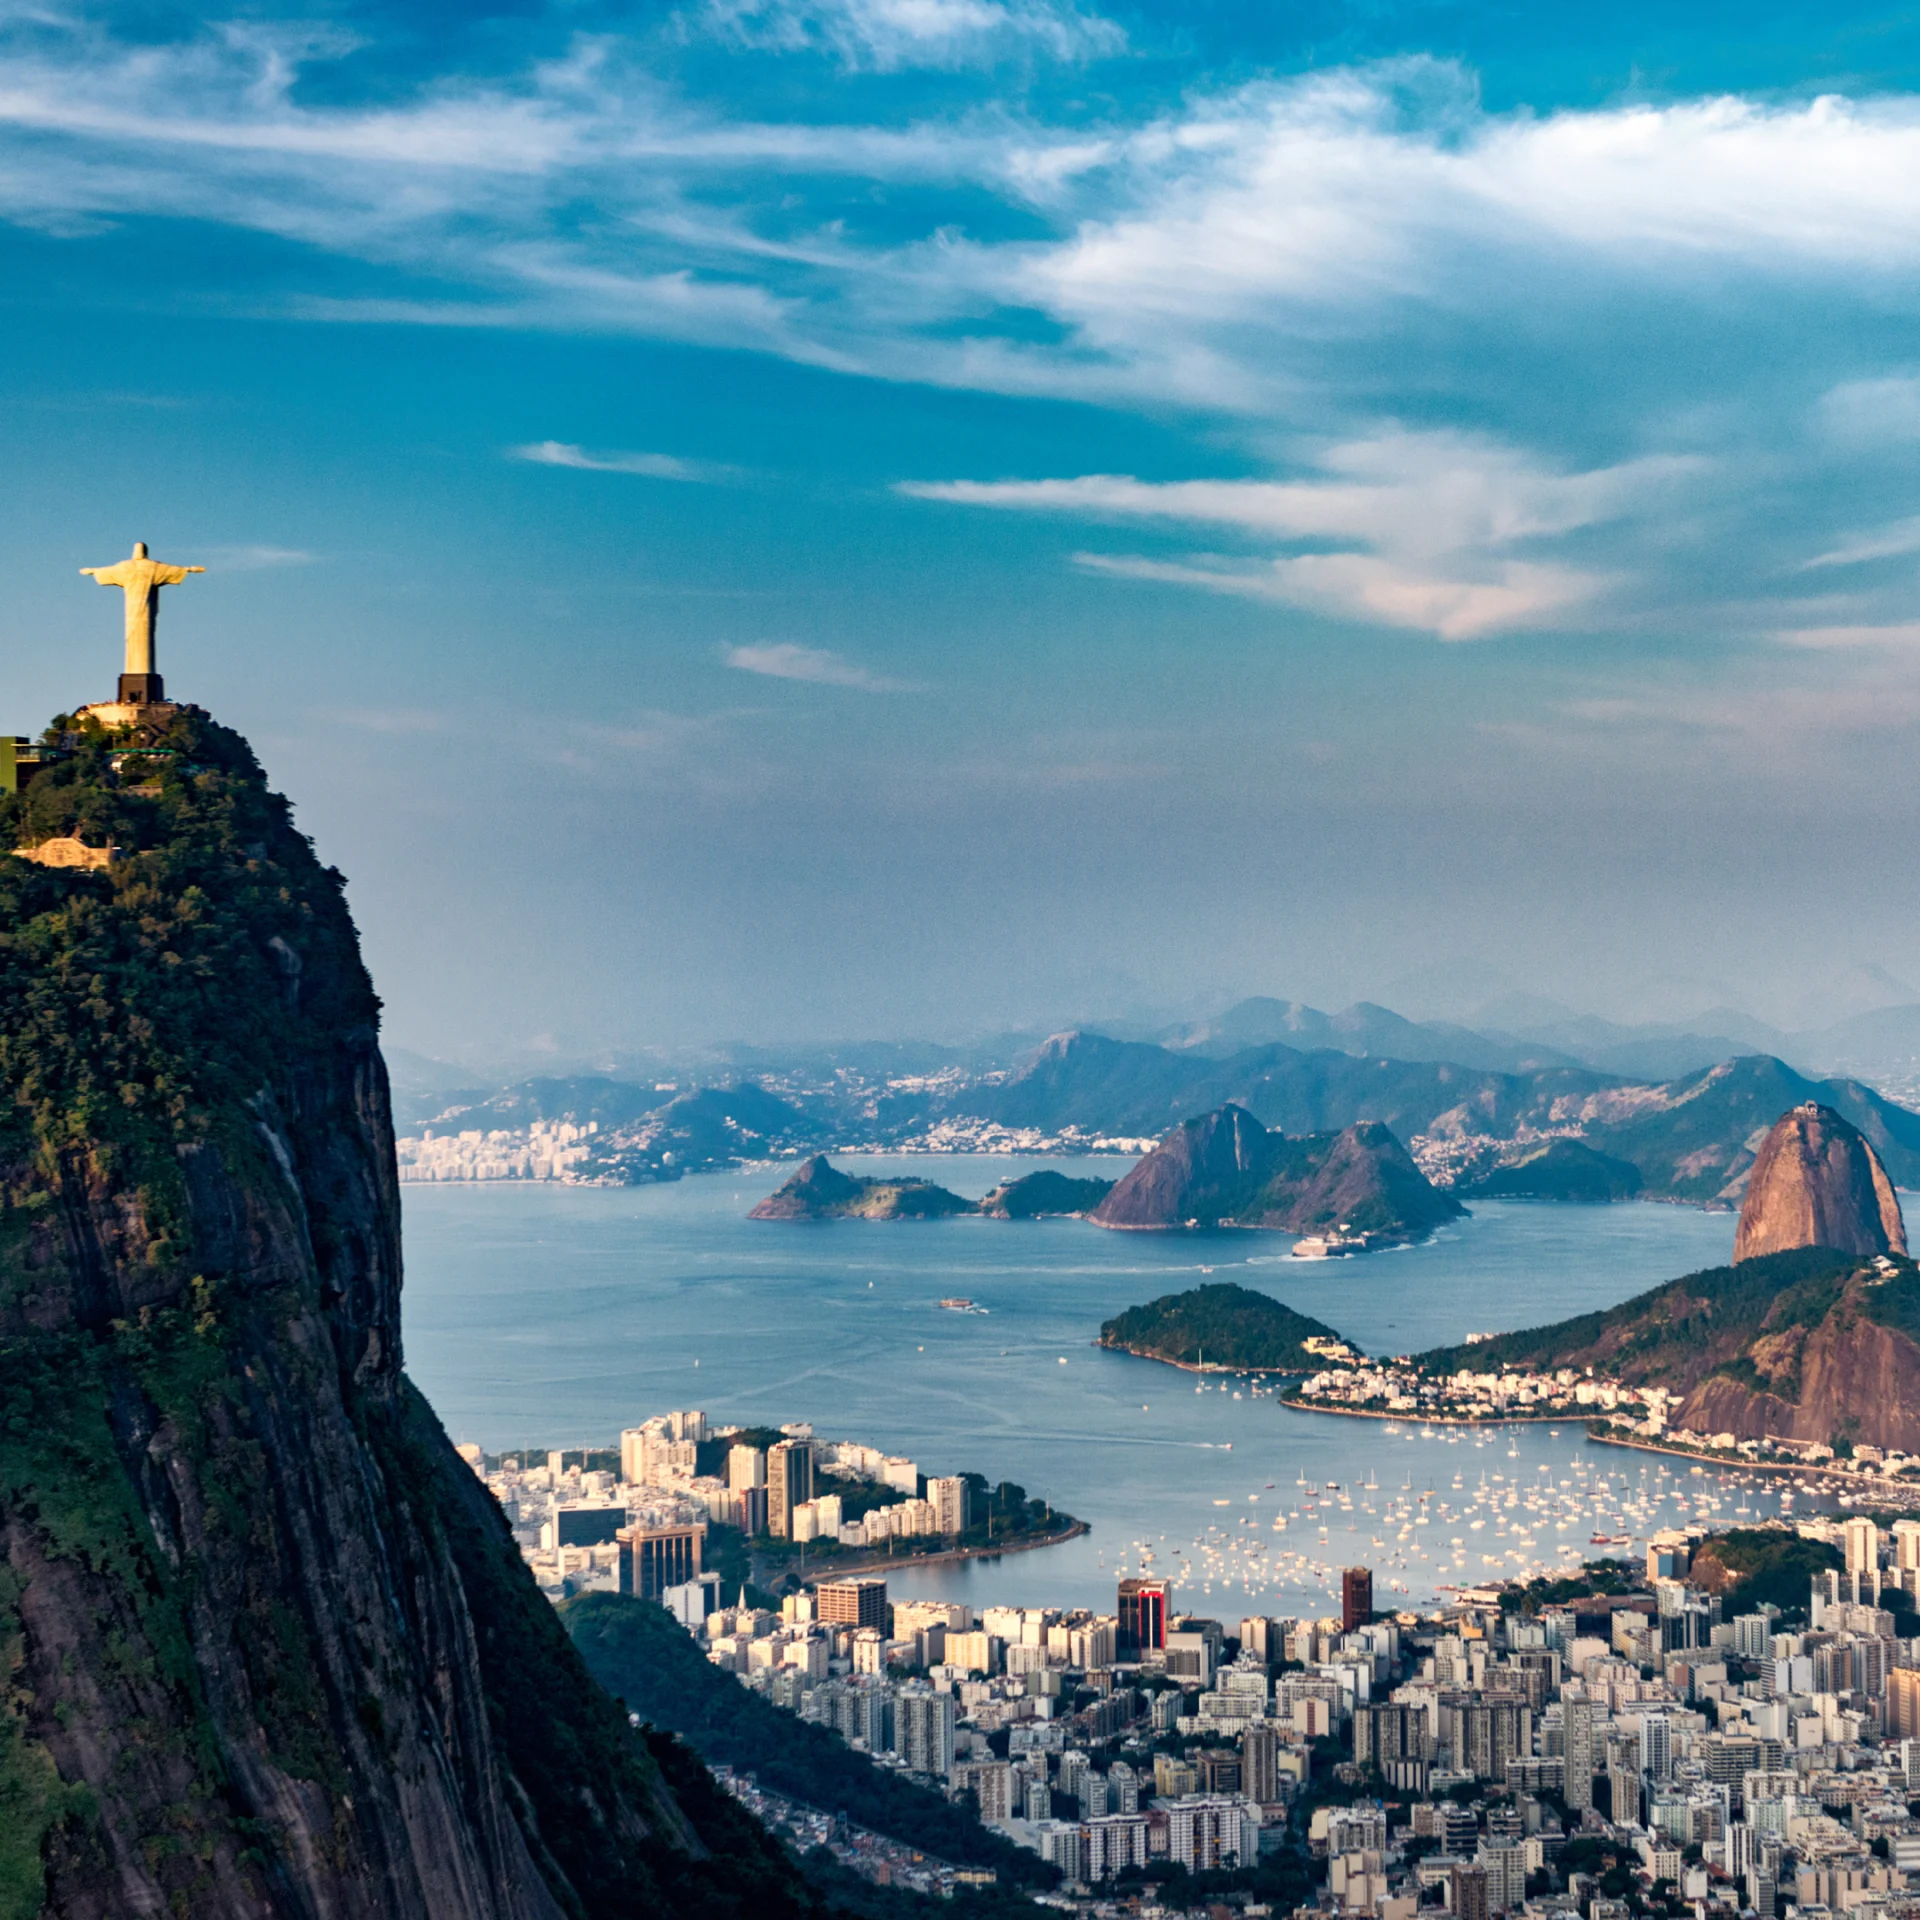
(784, 660)
(1429, 522)
(1317, 254)
(1355, 586)
(652, 466)
(1899, 634)
(885, 35)
(251, 559)
(1885, 543)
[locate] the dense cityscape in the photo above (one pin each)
(1610, 1742)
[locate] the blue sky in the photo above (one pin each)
(780, 517)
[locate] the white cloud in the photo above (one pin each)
(1885, 543)
(783, 660)
(251, 559)
(1430, 520)
(1356, 586)
(652, 466)
(1292, 256)
(889, 34)
(1898, 634)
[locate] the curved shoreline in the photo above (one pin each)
(1440, 1419)
(839, 1569)
(1202, 1366)
(1906, 1493)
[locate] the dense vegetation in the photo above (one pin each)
(641, 1655)
(1044, 1192)
(1674, 1333)
(1754, 1566)
(142, 1005)
(1223, 1324)
(1561, 1170)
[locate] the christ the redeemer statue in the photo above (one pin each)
(141, 580)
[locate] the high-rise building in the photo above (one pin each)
(789, 1484)
(1260, 1764)
(923, 1731)
(746, 1467)
(1144, 1606)
(652, 1559)
(1356, 1597)
(1577, 1725)
(1656, 1746)
(1389, 1732)
(1862, 1541)
(1470, 1894)
(852, 1603)
(948, 1498)
(1906, 1556)
(1903, 1704)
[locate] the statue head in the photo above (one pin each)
(139, 549)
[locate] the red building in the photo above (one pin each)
(1144, 1606)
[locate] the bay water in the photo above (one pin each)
(537, 1314)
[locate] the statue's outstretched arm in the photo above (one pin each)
(172, 576)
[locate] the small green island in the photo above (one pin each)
(820, 1191)
(1035, 1196)
(1225, 1326)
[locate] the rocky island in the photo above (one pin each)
(1227, 1170)
(1225, 1326)
(1035, 1196)
(820, 1191)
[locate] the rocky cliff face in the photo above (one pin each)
(1854, 1374)
(1226, 1169)
(1817, 1182)
(269, 1647)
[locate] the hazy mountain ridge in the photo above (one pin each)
(1688, 1137)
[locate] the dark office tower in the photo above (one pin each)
(1143, 1619)
(1470, 1893)
(789, 1484)
(1356, 1597)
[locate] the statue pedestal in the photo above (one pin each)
(126, 713)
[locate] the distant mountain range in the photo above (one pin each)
(1881, 1045)
(1681, 1109)
(1689, 1139)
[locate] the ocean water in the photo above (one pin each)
(558, 1315)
